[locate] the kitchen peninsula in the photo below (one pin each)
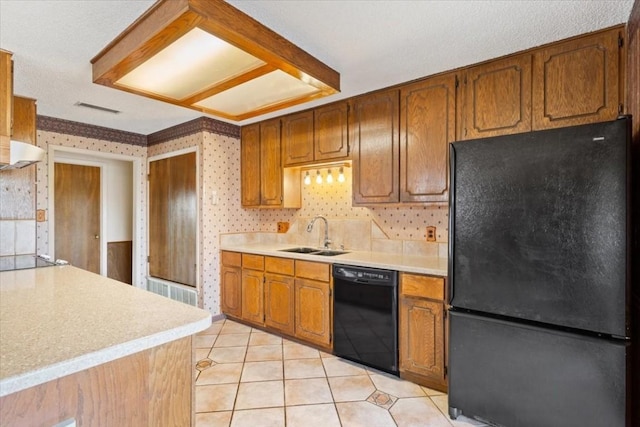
(78, 346)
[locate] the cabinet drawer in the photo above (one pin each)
(312, 270)
(231, 259)
(422, 286)
(279, 265)
(253, 262)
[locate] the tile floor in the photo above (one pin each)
(249, 378)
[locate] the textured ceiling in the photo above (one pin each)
(372, 44)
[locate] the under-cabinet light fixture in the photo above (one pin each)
(211, 57)
(329, 177)
(341, 175)
(307, 179)
(318, 178)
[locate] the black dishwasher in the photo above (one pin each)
(365, 316)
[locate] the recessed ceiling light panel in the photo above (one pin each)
(211, 57)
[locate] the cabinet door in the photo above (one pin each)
(373, 124)
(279, 302)
(252, 296)
(330, 132)
(313, 311)
(250, 165)
(421, 339)
(497, 98)
(427, 125)
(578, 81)
(270, 163)
(6, 104)
(231, 286)
(297, 138)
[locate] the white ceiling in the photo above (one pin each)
(372, 44)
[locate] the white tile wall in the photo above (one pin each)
(17, 237)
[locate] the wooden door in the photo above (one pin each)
(427, 125)
(421, 339)
(373, 125)
(497, 98)
(6, 104)
(231, 291)
(270, 164)
(77, 215)
(173, 219)
(250, 165)
(313, 311)
(252, 296)
(297, 138)
(279, 302)
(578, 81)
(330, 132)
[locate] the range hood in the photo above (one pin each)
(22, 155)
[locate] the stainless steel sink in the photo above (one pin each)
(314, 251)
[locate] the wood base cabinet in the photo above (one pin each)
(231, 284)
(253, 289)
(279, 295)
(422, 340)
(313, 311)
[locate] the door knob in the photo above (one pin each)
(96, 236)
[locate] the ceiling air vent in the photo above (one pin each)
(97, 107)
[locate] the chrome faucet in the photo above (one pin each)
(327, 242)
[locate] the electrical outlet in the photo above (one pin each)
(40, 215)
(283, 227)
(431, 234)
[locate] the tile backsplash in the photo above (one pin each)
(17, 237)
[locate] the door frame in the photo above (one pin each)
(199, 191)
(94, 159)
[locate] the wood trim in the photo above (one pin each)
(153, 387)
(6, 104)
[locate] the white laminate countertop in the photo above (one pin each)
(436, 266)
(55, 321)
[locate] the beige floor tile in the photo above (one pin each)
(341, 368)
(322, 415)
(353, 388)
(307, 391)
(202, 353)
(303, 368)
(211, 398)
(396, 386)
(299, 351)
(442, 402)
(261, 353)
(213, 419)
(232, 340)
(367, 414)
(431, 392)
(227, 354)
(261, 371)
(327, 355)
(214, 329)
(263, 338)
(418, 412)
(266, 394)
(204, 341)
(272, 417)
(220, 373)
(231, 327)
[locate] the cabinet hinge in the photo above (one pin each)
(446, 372)
(621, 109)
(620, 40)
(457, 82)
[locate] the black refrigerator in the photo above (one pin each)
(539, 286)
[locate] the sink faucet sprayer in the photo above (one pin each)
(327, 242)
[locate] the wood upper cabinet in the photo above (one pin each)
(578, 81)
(6, 104)
(316, 135)
(250, 165)
(313, 311)
(497, 98)
(231, 284)
(270, 164)
(421, 337)
(374, 138)
(427, 125)
(330, 140)
(297, 138)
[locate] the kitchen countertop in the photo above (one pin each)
(436, 266)
(55, 321)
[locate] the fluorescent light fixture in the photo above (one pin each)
(211, 57)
